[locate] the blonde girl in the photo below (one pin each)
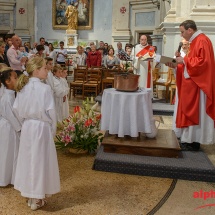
(37, 173)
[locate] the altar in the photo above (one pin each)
(127, 113)
(127, 119)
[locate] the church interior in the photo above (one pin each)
(131, 169)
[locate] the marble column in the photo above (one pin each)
(201, 11)
(24, 27)
(7, 16)
(120, 22)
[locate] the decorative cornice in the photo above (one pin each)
(207, 27)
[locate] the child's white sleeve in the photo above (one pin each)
(66, 86)
(52, 115)
(59, 90)
(50, 109)
(11, 117)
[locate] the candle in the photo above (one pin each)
(92, 100)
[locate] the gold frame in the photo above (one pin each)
(63, 26)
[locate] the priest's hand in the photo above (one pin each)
(170, 64)
(180, 60)
(177, 54)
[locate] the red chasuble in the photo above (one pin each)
(201, 69)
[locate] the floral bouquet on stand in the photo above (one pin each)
(80, 131)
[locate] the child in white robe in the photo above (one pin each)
(65, 111)
(49, 67)
(37, 173)
(9, 128)
(2, 66)
(59, 92)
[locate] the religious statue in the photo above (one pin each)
(72, 16)
(70, 41)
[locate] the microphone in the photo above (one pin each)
(179, 47)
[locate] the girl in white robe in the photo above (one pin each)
(59, 93)
(2, 66)
(37, 173)
(65, 111)
(9, 129)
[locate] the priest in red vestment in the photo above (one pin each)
(195, 79)
(141, 66)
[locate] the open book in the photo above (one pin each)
(164, 59)
(146, 53)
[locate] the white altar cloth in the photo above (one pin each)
(127, 113)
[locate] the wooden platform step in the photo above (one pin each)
(164, 145)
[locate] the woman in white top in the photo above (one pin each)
(80, 57)
(52, 53)
(9, 128)
(37, 173)
(61, 54)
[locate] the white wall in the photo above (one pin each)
(102, 22)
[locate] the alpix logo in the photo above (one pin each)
(204, 195)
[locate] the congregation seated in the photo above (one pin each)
(110, 60)
(52, 53)
(40, 49)
(94, 57)
(127, 63)
(88, 49)
(105, 48)
(127, 46)
(101, 44)
(8, 43)
(12, 55)
(3, 56)
(119, 50)
(80, 57)
(61, 54)
(101, 50)
(27, 46)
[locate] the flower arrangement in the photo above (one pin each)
(80, 131)
(128, 65)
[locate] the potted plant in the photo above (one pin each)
(81, 130)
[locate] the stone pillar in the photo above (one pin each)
(201, 11)
(157, 40)
(7, 16)
(25, 20)
(120, 22)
